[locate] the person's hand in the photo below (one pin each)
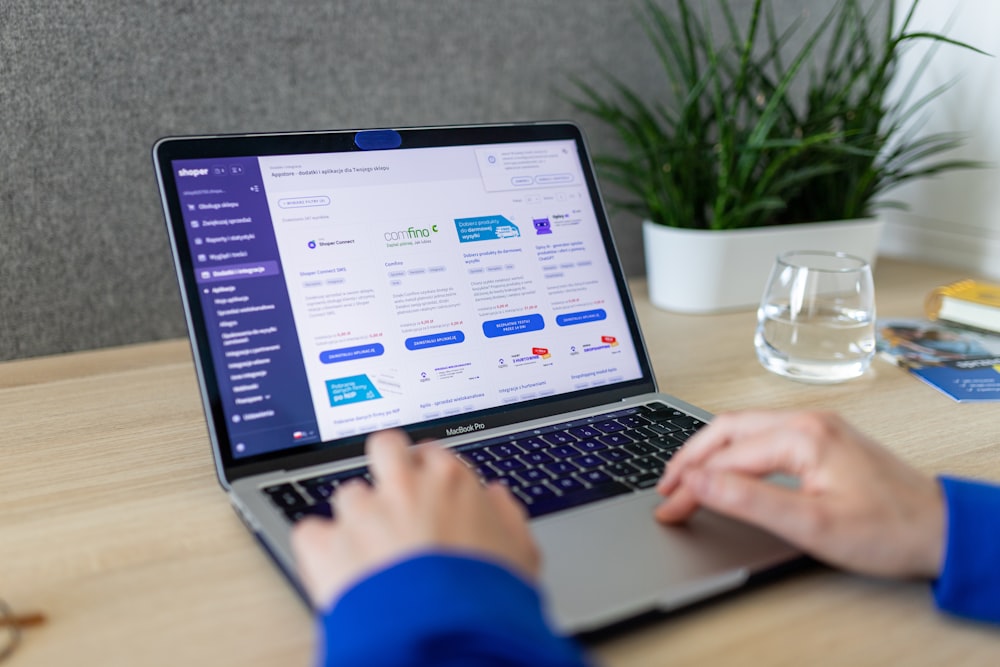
(424, 498)
(857, 506)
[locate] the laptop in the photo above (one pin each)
(460, 283)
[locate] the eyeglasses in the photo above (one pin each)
(11, 625)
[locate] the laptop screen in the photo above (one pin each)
(342, 292)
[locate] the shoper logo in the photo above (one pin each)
(192, 172)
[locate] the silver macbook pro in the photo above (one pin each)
(460, 283)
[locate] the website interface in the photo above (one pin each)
(349, 292)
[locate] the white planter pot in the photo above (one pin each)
(707, 271)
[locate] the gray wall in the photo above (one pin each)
(86, 87)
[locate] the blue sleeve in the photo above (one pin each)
(969, 584)
(442, 610)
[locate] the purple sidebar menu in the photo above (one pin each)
(248, 317)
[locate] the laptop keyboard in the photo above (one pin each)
(548, 469)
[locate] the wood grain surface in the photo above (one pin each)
(112, 522)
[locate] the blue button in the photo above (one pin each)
(349, 353)
(513, 325)
(435, 340)
(569, 319)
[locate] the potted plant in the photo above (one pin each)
(735, 162)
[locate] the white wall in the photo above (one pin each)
(954, 219)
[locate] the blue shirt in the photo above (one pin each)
(442, 610)
(969, 584)
(450, 610)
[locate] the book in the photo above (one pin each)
(961, 363)
(970, 303)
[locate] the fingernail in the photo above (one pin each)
(662, 512)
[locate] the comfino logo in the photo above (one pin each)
(411, 233)
(192, 172)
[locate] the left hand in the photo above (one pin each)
(424, 498)
(857, 506)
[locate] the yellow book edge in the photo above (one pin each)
(974, 291)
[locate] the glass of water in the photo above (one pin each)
(816, 321)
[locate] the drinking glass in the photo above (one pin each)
(816, 321)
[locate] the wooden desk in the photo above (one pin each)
(112, 522)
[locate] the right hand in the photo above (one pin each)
(857, 506)
(424, 499)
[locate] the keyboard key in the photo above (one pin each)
(558, 438)
(547, 505)
(641, 480)
(620, 469)
(639, 448)
(322, 487)
(504, 450)
(681, 436)
(320, 492)
(590, 446)
(531, 476)
(348, 475)
(296, 514)
(647, 463)
(633, 421)
(584, 432)
(663, 413)
(665, 455)
(327, 480)
(687, 422)
(665, 442)
(477, 456)
(663, 428)
(567, 485)
(560, 468)
(609, 426)
(588, 461)
(615, 455)
(594, 477)
(319, 487)
(535, 493)
(530, 443)
(335, 479)
(536, 458)
(508, 465)
(487, 473)
(615, 439)
(285, 496)
(642, 433)
(563, 451)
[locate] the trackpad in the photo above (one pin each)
(608, 563)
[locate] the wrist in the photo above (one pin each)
(933, 530)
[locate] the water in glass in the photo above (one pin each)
(816, 321)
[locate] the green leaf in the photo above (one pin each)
(727, 143)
